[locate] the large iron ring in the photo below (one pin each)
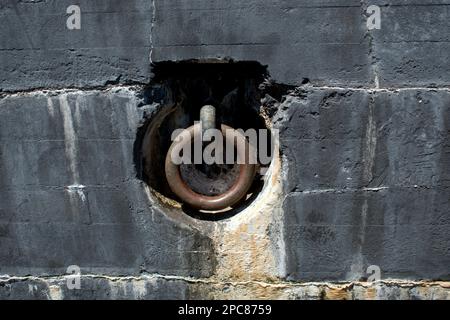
(218, 202)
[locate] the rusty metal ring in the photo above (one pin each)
(212, 203)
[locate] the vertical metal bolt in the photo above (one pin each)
(208, 121)
(208, 118)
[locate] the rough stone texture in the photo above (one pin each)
(325, 41)
(95, 287)
(411, 48)
(363, 178)
(353, 139)
(158, 287)
(328, 46)
(69, 192)
(38, 51)
(368, 183)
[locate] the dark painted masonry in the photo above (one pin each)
(362, 179)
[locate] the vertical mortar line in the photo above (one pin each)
(370, 143)
(152, 26)
(371, 55)
(369, 160)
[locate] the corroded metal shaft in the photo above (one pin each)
(208, 118)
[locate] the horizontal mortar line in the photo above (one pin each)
(355, 190)
(417, 5)
(411, 41)
(63, 140)
(174, 7)
(331, 190)
(390, 225)
(415, 41)
(149, 11)
(342, 137)
(291, 225)
(258, 9)
(281, 284)
(136, 87)
(320, 7)
(363, 42)
(373, 89)
(74, 48)
(74, 224)
(70, 90)
(214, 44)
(63, 13)
(254, 44)
(143, 12)
(40, 188)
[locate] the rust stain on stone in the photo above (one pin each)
(337, 293)
(370, 293)
(244, 244)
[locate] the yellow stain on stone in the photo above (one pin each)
(244, 245)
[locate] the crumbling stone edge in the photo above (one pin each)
(150, 286)
(136, 87)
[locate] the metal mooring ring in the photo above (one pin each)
(212, 203)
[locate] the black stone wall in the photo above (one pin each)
(364, 136)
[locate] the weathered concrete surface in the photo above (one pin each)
(37, 50)
(70, 196)
(324, 41)
(363, 176)
(69, 192)
(411, 48)
(327, 39)
(368, 183)
(358, 138)
(161, 287)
